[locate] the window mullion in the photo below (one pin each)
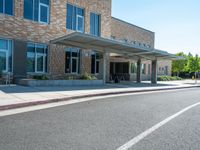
(43, 63)
(33, 9)
(39, 12)
(95, 18)
(70, 69)
(4, 5)
(95, 63)
(35, 58)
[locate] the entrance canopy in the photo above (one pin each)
(87, 41)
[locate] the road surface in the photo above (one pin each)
(108, 124)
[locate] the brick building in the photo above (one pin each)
(62, 38)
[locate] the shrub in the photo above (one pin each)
(69, 78)
(94, 78)
(168, 78)
(40, 77)
(86, 76)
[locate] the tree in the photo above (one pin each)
(180, 64)
(194, 64)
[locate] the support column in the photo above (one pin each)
(106, 65)
(154, 72)
(139, 66)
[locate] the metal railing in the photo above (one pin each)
(7, 77)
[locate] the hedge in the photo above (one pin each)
(169, 78)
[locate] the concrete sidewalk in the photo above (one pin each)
(15, 96)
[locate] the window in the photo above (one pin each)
(72, 61)
(95, 63)
(166, 70)
(5, 55)
(143, 68)
(149, 69)
(36, 58)
(37, 10)
(75, 18)
(6, 7)
(95, 24)
(133, 67)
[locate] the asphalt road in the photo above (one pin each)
(106, 124)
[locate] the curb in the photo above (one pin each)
(35, 103)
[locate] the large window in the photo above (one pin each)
(72, 64)
(95, 63)
(143, 68)
(133, 67)
(5, 55)
(166, 70)
(37, 10)
(36, 58)
(75, 18)
(95, 24)
(6, 7)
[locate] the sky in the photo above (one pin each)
(176, 23)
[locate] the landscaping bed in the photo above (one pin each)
(33, 82)
(168, 78)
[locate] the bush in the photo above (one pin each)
(69, 78)
(40, 77)
(86, 76)
(168, 78)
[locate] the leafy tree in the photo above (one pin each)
(180, 65)
(194, 64)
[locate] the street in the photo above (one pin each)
(107, 124)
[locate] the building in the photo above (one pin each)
(67, 38)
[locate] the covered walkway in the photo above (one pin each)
(108, 46)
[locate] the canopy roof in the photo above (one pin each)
(87, 41)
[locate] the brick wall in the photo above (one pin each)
(123, 30)
(161, 67)
(16, 27)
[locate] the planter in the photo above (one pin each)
(32, 82)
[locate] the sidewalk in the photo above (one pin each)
(15, 96)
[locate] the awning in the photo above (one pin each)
(87, 41)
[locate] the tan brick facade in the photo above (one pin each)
(164, 67)
(130, 33)
(124, 31)
(16, 27)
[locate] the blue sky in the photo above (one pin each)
(176, 23)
